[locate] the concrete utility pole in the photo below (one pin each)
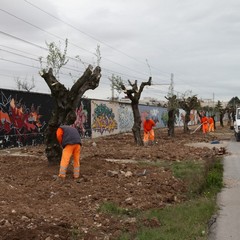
(213, 100)
(171, 88)
(112, 90)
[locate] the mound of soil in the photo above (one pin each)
(34, 205)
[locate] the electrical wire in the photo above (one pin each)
(33, 44)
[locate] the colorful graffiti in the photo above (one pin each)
(24, 117)
(164, 118)
(194, 118)
(83, 121)
(103, 119)
(19, 124)
(125, 118)
(158, 114)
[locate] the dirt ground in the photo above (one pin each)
(33, 205)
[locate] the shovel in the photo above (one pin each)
(196, 128)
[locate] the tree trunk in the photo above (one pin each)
(134, 95)
(221, 119)
(66, 102)
(186, 121)
(136, 129)
(171, 122)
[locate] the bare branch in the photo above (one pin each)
(25, 85)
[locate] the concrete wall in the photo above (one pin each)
(24, 117)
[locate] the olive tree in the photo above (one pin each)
(134, 94)
(65, 100)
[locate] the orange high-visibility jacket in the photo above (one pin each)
(210, 120)
(148, 125)
(204, 120)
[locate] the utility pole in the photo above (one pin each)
(171, 87)
(213, 99)
(112, 86)
(112, 90)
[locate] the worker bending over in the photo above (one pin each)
(204, 122)
(148, 135)
(211, 124)
(70, 140)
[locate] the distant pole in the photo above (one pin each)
(171, 85)
(213, 99)
(112, 91)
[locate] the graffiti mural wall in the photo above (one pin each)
(23, 117)
(158, 114)
(194, 118)
(104, 119)
(125, 117)
(83, 122)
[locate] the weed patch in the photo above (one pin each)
(188, 220)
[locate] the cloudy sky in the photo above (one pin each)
(196, 41)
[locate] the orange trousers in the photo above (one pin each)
(148, 136)
(70, 150)
(211, 127)
(205, 128)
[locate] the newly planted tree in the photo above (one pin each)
(172, 110)
(116, 83)
(25, 85)
(187, 104)
(231, 109)
(66, 101)
(134, 94)
(219, 108)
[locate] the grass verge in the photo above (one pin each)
(185, 221)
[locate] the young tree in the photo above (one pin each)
(134, 95)
(187, 104)
(25, 85)
(231, 109)
(66, 101)
(56, 59)
(172, 110)
(233, 103)
(219, 108)
(116, 84)
(172, 106)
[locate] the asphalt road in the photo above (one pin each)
(227, 224)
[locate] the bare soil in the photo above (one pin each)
(34, 205)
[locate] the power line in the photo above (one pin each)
(65, 67)
(3, 59)
(41, 29)
(89, 35)
(74, 59)
(18, 50)
(69, 42)
(23, 64)
(22, 40)
(6, 12)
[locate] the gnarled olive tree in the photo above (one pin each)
(66, 102)
(172, 110)
(134, 95)
(188, 104)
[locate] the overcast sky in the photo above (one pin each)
(197, 41)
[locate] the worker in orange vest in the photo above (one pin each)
(148, 134)
(204, 122)
(69, 138)
(211, 124)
